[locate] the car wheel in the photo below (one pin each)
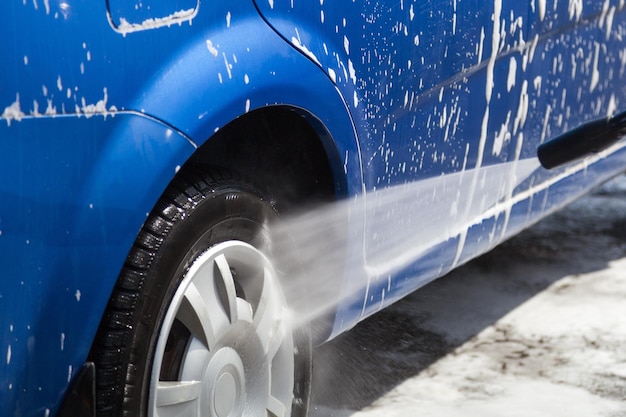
(197, 324)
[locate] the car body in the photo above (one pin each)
(105, 101)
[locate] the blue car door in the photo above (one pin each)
(450, 101)
(435, 91)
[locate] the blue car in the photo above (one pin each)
(148, 148)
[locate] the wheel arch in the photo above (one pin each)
(203, 92)
(284, 151)
(272, 86)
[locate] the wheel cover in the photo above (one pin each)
(224, 348)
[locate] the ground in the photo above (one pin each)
(536, 327)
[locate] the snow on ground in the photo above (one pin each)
(536, 327)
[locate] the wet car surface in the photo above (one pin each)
(533, 326)
(194, 193)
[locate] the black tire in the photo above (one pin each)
(198, 211)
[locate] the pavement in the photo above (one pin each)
(536, 327)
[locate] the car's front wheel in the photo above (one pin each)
(197, 324)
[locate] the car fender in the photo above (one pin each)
(83, 179)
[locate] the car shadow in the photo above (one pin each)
(355, 369)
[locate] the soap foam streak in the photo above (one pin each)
(321, 258)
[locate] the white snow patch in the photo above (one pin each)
(479, 51)
(228, 66)
(51, 110)
(537, 83)
(212, 49)
(333, 75)
(546, 120)
(352, 71)
(503, 136)
(35, 111)
(542, 9)
(436, 396)
(612, 107)
(609, 22)
(595, 74)
(13, 112)
(304, 50)
(178, 17)
(99, 108)
(575, 9)
(522, 109)
(510, 83)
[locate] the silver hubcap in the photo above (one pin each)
(225, 349)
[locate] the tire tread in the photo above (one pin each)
(115, 362)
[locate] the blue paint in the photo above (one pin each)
(100, 113)
(422, 108)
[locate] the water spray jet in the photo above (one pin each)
(329, 256)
